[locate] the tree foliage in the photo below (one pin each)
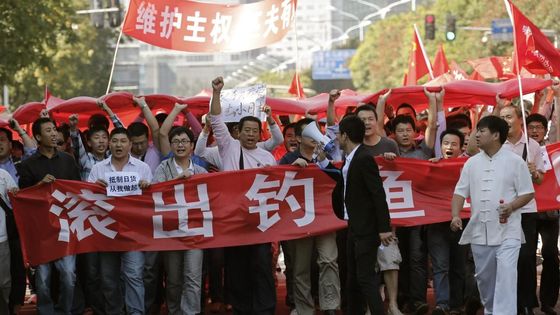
(46, 43)
(382, 58)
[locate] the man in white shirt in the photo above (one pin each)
(248, 268)
(531, 153)
(7, 183)
(132, 262)
(499, 185)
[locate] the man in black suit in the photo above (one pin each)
(359, 198)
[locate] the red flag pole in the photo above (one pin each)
(116, 50)
(518, 69)
(428, 64)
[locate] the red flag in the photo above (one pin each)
(296, 88)
(440, 62)
(50, 100)
(417, 66)
(534, 51)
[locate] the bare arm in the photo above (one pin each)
(380, 110)
(150, 119)
(331, 115)
(163, 134)
(432, 110)
(215, 105)
(27, 141)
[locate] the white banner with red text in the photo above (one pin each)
(205, 27)
(230, 208)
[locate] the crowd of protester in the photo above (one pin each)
(323, 273)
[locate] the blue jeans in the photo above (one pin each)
(448, 263)
(66, 267)
(132, 268)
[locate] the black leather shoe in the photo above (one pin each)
(472, 306)
(421, 308)
(526, 311)
(548, 310)
(329, 312)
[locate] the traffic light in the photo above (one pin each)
(450, 31)
(97, 19)
(430, 26)
(115, 17)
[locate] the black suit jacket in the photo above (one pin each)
(368, 213)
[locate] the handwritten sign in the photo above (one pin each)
(245, 101)
(123, 184)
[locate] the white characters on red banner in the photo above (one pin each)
(220, 30)
(263, 208)
(146, 19)
(170, 20)
(399, 195)
(195, 28)
(74, 213)
(270, 21)
(182, 208)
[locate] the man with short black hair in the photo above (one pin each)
(547, 227)
(359, 198)
(43, 167)
(249, 273)
(531, 153)
(132, 262)
(302, 249)
(499, 184)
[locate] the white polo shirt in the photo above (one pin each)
(487, 180)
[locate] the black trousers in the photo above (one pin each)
(17, 274)
(249, 279)
(550, 276)
(527, 263)
(362, 280)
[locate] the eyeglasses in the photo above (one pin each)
(183, 142)
(535, 127)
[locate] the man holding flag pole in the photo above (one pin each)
(533, 51)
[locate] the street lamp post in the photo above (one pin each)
(352, 16)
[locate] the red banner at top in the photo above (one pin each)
(203, 27)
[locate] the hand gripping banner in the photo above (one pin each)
(230, 208)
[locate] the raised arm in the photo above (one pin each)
(163, 134)
(215, 105)
(27, 141)
(380, 110)
(432, 111)
(276, 134)
(150, 119)
(441, 123)
(331, 115)
(116, 121)
(84, 161)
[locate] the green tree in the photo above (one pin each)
(382, 59)
(46, 43)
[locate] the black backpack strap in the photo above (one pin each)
(525, 153)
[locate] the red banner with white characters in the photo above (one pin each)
(230, 208)
(204, 27)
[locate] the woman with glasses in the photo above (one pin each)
(183, 267)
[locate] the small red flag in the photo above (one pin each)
(296, 88)
(534, 51)
(440, 62)
(417, 66)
